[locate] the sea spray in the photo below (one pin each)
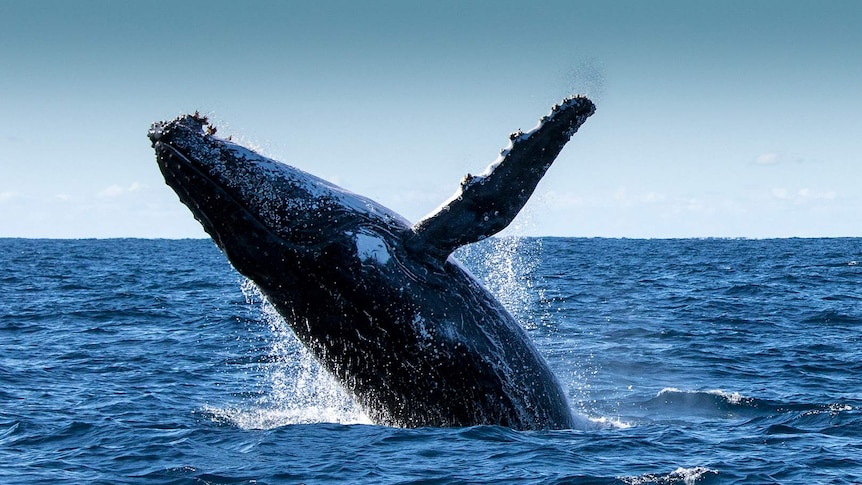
(505, 266)
(295, 389)
(510, 268)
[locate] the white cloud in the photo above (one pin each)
(621, 194)
(814, 195)
(134, 210)
(619, 197)
(653, 197)
(623, 197)
(767, 159)
(562, 199)
(112, 191)
(778, 158)
(780, 193)
(802, 195)
(117, 190)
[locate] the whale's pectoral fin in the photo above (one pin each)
(487, 203)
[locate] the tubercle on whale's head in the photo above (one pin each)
(233, 190)
(187, 133)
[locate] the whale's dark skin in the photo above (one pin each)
(380, 302)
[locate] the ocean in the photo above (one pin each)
(688, 361)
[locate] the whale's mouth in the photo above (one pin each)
(186, 176)
(195, 188)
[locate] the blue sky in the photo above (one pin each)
(725, 119)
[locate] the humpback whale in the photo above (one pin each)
(381, 302)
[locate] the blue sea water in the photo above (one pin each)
(687, 361)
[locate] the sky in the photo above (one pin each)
(714, 119)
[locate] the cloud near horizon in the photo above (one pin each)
(803, 195)
(767, 159)
(116, 190)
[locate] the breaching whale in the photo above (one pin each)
(380, 302)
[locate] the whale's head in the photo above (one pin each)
(250, 204)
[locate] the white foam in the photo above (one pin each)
(731, 397)
(687, 476)
(606, 422)
(270, 418)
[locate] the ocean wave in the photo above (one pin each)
(710, 401)
(833, 317)
(686, 476)
(773, 417)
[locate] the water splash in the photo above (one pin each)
(295, 389)
(505, 265)
(587, 76)
(603, 422)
